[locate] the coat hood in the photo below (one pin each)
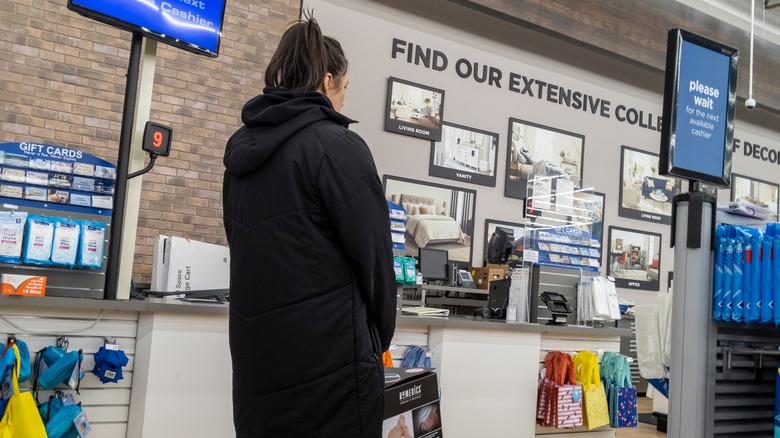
(270, 119)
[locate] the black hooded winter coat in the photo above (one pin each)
(312, 286)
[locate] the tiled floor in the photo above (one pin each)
(645, 405)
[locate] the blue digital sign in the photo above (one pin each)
(194, 25)
(699, 101)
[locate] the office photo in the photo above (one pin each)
(437, 216)
(414, 109)
(644, 194)
(634, 258)
(465, 154)
(537, 150)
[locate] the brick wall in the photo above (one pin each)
(62, 81)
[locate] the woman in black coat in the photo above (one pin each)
(312, 288)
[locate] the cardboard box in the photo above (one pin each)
(181, 265)
(412, 400)
(483, 276)
(25, 285)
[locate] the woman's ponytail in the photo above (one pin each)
(303, 57)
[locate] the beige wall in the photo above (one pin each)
(62, 80)
(366, 30)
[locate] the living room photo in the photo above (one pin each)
(537, 150)
(644, 194)
(414, 109)
(634, 258)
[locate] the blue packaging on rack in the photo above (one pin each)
(728, 265)
(737, 278)
(767, 297)
(720, 255)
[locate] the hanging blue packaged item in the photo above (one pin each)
(109, 361)
(50, 408)
(39, 235)
(69, 422)
(775, 304)
(415, 357)
(767, 297)
(752, 263)
(24, 367)
(737, 278)
(728, 266)
(717, 287)
(12, 226)
(66, 242)
(7, 362)
(93, 236)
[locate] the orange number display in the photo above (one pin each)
(158, 138)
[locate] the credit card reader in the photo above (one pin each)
(558, 305)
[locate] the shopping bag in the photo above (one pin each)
(594, 405)
(21, 418)
(544, 388)
(566, 394)
(623, 402)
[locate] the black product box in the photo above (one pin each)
(412, 403)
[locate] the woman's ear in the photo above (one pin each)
(327, 83)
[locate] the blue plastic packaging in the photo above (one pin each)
(767, 297)
(728, 266)
(12, 224)
(39, 235)
(717, 287)
(753, 263)
(66, 242)
(93, 236)
(737, 279)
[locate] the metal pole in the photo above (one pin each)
(123, 160)
(693, 222)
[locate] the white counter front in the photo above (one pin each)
(178, 382)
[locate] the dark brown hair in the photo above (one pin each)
(304, 56)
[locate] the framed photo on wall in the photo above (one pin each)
(414, 109)
(588, 211)
(516, 258)
(538, 150)
(644, 194)
(465, 154)
(634, 258)
(437, 216)
(754, 191)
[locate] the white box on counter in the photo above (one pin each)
(182, 265)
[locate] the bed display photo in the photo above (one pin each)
(414, 109)
(465, 154)
(754, 191)
(516, 257)
(644, 194)
(536, 150)
(437, 216)
(634, 258)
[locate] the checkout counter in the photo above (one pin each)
(179, 380)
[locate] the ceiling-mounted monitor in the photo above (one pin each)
(700, 96)
(192, 25)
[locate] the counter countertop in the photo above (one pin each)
(471, 322)
(147, 305)
(178, 306)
